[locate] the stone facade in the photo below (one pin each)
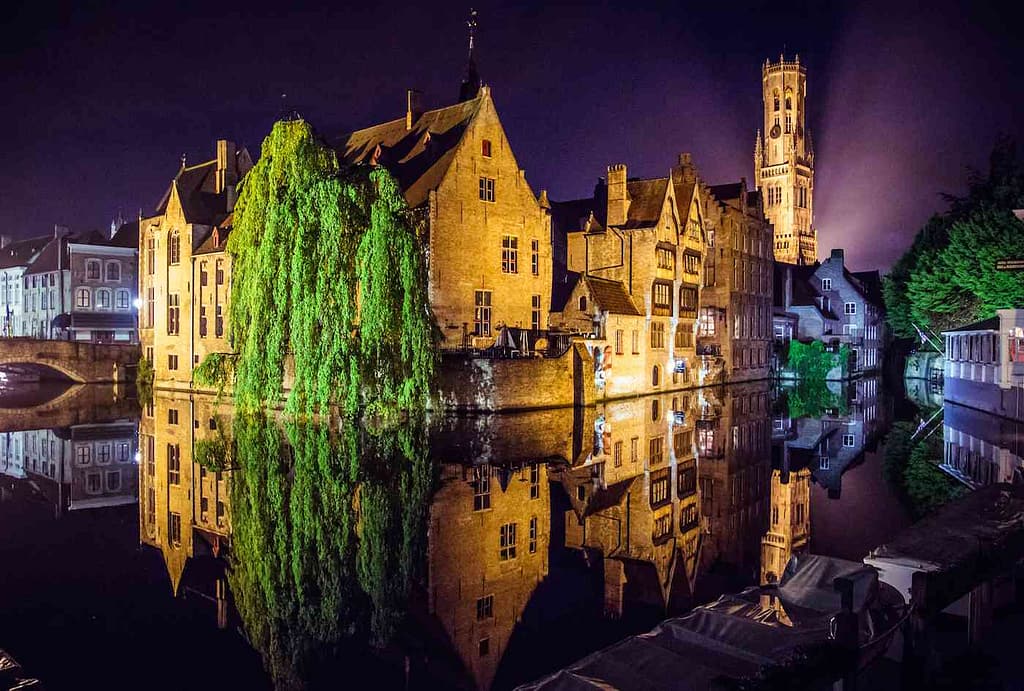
(789, 527)
(784, 162)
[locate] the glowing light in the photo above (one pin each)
(138, 456)
(137, 303)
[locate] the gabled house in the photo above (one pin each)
(14, 259)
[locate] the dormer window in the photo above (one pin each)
(485, 148)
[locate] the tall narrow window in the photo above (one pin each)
(534, 481)
(174, 248)
(203, 274)
(174, 528)
(219, 322)
(619, 338)
(510, 254)
(533, 535)
(151, 256)
(150, 307)
(173, 313)
(482, 313)
(535, 257)
(535, 312)
(220, 272)
(487, 189)
(173, 464)
(485, 148)
(202, 320)
(481, 488)
(507, 542)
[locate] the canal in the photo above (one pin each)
(179, 545)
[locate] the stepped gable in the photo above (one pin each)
(418, 156)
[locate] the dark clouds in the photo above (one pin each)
(101, 103)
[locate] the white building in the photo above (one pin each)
(14, 259)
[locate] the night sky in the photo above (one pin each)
(99, 104)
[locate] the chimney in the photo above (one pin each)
(837, 254)
(60, 231)
(4, 241)
(688, 172)
(413, 107)
(618, 203)
(227, 166)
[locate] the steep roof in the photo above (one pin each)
(646, 198)
(611, 296)
(729, 191)
(55, 254)
(22, 252)
(216, 238)
(418, 157)
(870, 283)
(127, 235)
(196, 185)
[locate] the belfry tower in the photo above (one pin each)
(784, 161)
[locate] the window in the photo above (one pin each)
(659, 488)
(484, 607)
(657, 336)
(535, 257)
(485, 148)
(150, 307)
(82, 455)
(203, 274)
(617, 454)
(173, 464)
(174, 528)
(173, 313)
(535, 312)
(534, 481)
(83, 298)
(123, 451)
(220, 272)
(103, 454)
(113, 271)
(219, 322)
(655, 410)
(789, 124)
(92, 269)
(824, 463)
(662, 526)
(634, 449)
(113, 480)
(172, 362)
(481, 488)
(848, 440)
(174, 248)
(682, 443)
(202, 320)
(619, 337)
(507, 542)
(123, 299)
(487, 189)
(684, 337)
(103, 298)
(826, 284)
(666, 259)
(509, 254)
(691, 263)
(484, 647)
(533, 535)
(776, 100)
(172, 416)
(687, 301)
(849, 308)
(93, 483)
(706, 322)
(482, 313)
(656, 450)
(655, 376)
(151, 256)
(662, 293)
(688, 518)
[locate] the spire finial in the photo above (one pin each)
(471, 83)
(471, 25)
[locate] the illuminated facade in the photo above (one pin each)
(784, 161)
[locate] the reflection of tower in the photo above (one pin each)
(789, 525)
(784, 162)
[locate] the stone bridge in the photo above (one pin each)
(80, 404)
(85, 363)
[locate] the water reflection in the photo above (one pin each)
(476, 552)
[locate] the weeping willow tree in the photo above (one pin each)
(324, 549)
(327, 267)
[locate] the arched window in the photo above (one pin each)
(776, 99)
(655, 376)
(114, 271)
(789, 99)
(655, 409)
(103, 299)
(83, 298)
(174, 248)
(92, 269)
(583, 303)
(123, 299)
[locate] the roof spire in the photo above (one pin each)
(471, 82)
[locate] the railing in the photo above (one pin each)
(513, 342)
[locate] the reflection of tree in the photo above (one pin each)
(323, 548)
(812, 397)
(910, 466)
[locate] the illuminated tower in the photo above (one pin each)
(784, 161)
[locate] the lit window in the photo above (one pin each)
(535, 312)
(848, 440)
(533, 535)
(482, 313)
(83, 298)
(826, 284)
(173, 313)
(174, 248)
(174, 529)
(657, 336)
(706, 322)
(173, 464)
(535, 257)
(485, 607)
(662, 293)
(534, 481)
(481, 488)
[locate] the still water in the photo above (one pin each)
(182, 546)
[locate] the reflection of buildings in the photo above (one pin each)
(79, 467)
(829, 443)
(184, 507)
(981, 449)
(789, 526)
(735, 460)
(488, 552)
(635, 502)
(985, 365)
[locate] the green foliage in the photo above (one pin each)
(812, 362)
(812, 398)
(910, 467)
(328, 537)
(329, 268)
(216, 370)
(144, 380)
(213, 453)
(947, 278)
